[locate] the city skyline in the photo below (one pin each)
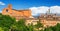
(36, 6)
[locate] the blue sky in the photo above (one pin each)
(26, 4)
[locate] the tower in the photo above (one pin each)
(48, 12)
(10, 6)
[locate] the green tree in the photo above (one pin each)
(56, 27)
(53, 28)
(1, 29)
(38, 25)
(6, 21)
(30, 27)
(20, 26)
(48, 29)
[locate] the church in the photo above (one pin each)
(26, 13)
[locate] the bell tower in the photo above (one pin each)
(48, 12)
(10, 6)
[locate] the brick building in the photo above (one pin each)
(16, 13)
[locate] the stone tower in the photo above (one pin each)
(10, 6)
(48, 12)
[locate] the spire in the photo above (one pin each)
(10, 6)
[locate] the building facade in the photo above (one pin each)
(16, 13)
(49, 19)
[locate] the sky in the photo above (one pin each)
(36, 6)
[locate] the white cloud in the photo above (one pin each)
(55, 9)
(36, 10)
(44, 9)
(1, 3)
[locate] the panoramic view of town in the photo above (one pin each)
(29, 15)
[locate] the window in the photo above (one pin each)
(6, 10)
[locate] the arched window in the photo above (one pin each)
(6, 10)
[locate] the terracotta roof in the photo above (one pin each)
(31, 19)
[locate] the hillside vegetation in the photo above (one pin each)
(8, 23)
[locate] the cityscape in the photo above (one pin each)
(30, 15)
